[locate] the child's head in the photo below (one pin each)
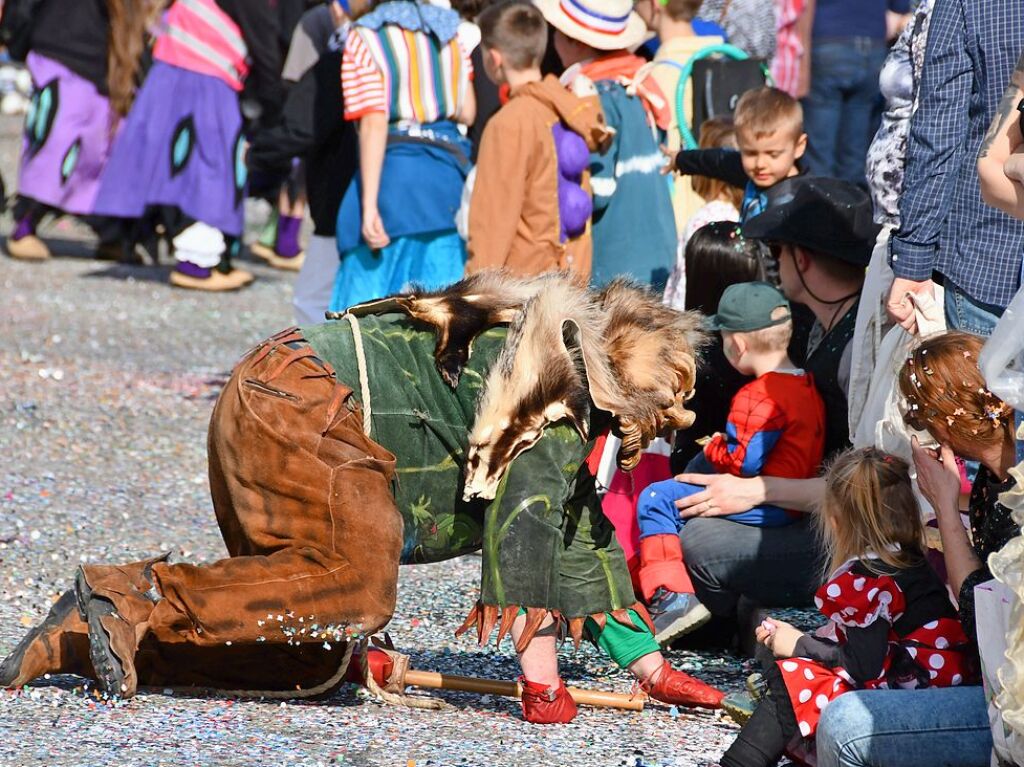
(586, 29)
(717, 133)
(717, 256)
(656, 12)
(870, 511)
(756, 323)
(514, 37)
(770, 135)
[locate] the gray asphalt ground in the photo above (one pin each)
(107, 379)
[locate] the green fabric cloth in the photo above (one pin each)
(622, 644)
(545, 540)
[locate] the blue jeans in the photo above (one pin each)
(840, 110)
(945, 727)
(966, 314)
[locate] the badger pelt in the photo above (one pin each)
(569, 348)
(652, 350)
(460, 312)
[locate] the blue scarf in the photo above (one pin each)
(442, 23)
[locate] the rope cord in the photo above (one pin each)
(364, 381)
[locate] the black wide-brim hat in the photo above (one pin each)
(824, 215)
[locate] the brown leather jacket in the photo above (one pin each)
(513, 213)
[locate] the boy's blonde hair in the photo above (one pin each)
(517, 30)
(771, 339)
(870, 508)
(764, 111)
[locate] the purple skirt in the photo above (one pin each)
(68, 133)
(181, 145)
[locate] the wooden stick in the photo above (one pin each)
(437, 681)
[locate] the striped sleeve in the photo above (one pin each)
(362, 82)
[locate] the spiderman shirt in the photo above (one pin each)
(776, 427)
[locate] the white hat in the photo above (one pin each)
(608, 25)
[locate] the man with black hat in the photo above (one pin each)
(822, 232)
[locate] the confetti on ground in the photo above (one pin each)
(109, 377)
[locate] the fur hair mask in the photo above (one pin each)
(569, 349)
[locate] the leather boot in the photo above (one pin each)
(547, 705)
(671, 686)
(116, 606)
(58, 645)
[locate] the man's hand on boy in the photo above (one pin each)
(723, 494)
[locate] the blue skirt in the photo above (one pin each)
(429, 261)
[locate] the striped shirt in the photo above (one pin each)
(408, 75)
(789, 49)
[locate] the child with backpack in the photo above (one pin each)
(634, 230)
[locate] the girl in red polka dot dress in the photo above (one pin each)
(890, 620)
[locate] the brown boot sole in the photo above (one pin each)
(114, 676)
(11, 672)
(269, 255)
(215, 283)
(28, 248)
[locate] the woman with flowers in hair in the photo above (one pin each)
(947, 397)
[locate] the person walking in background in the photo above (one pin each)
(847, 49)
(406, 81)
(634, 231)
(672, 22)
(534, 150)
(84, 57)
(946, 229)
(180, 158)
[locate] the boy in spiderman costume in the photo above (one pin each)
(776, 426)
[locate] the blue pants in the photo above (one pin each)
(906, 728)
(657, 514)
(840, 110)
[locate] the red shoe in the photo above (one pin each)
(671, 686)
(547, 705)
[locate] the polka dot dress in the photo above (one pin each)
(850, 599)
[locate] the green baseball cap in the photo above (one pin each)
(748, 306)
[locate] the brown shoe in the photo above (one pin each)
(55, 646)
(112, 641)
(269, 255)
(217, 281)
(28, 248)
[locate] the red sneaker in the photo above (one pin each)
(671, 686)
(547, 705)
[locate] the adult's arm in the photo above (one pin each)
(935, 144)
(935, 153)
(723, 164)
(724, 494)
(939, 481)
(999, 188)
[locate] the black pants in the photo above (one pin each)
(763, 740)
(773, 567)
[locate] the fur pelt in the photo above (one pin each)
(460, 312)
(569, 349)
